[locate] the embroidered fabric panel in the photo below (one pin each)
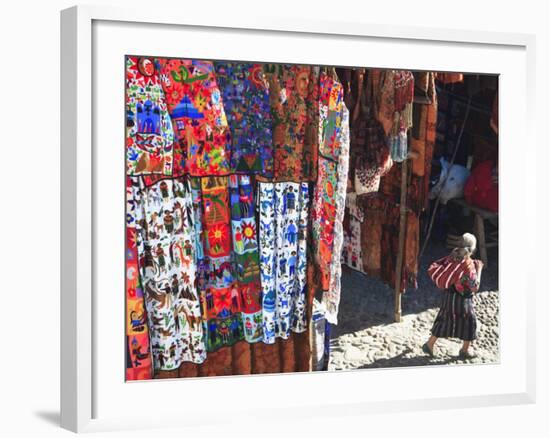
(294, 101)
(331, 297)
(166, 262)
(138, 361)
(149, 134)
(326, 205)
(283, 211)
(221, 296)
(245, 95)
(331, 104)
(245, 248)
(198, 117)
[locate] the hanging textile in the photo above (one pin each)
(393, 94)
(283, 210)
(449, 78)
(330, 190)
(369, 150)
(422, 142)
(379, 231)
(373, 159)
(293, 93)
(164, 225)
(245, 248)
(220, 293)
(198, 117)
(331, 297)
(353, 218)
(149, 135)
(138, 354)
(245, 94)
(325, 205)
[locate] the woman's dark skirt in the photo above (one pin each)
(456, 317)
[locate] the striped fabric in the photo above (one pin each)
(447, 272)
(456, 317)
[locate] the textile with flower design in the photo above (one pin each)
(220, 294)
(245, 249)
(198, 117)
(331, 296)
(326, 202)
(149, 134)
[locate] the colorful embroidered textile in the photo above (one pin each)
(245, 95)
(331, 105)
(245, 248)
(220, 296)
(324, 216)
(198, 117)
(293, 94)
(283, 210)
(331, 297)
(325, 203)
(138, 355)
(166, 261)
(149, 135)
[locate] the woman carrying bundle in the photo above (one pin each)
(459, 276)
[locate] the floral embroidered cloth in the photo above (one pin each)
(198, 117)
(220, 294)
(245, 248)
(149, 134)
(164, 223)
(293, 93)
(331, 296)
(245, 95)
(283, 210)
(326, 206)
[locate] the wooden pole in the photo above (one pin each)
(402, 231)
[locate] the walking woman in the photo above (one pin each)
(459, 276)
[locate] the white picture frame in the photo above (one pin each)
(87, 383)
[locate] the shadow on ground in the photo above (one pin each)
(367, 302)
(51, 417)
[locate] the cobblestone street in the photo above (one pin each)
(367, 337)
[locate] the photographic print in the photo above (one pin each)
(299, 218)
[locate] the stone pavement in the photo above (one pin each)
(367, 337)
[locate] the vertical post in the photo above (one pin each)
(479, 230)
(401, 249)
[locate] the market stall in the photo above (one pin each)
(250, 185)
